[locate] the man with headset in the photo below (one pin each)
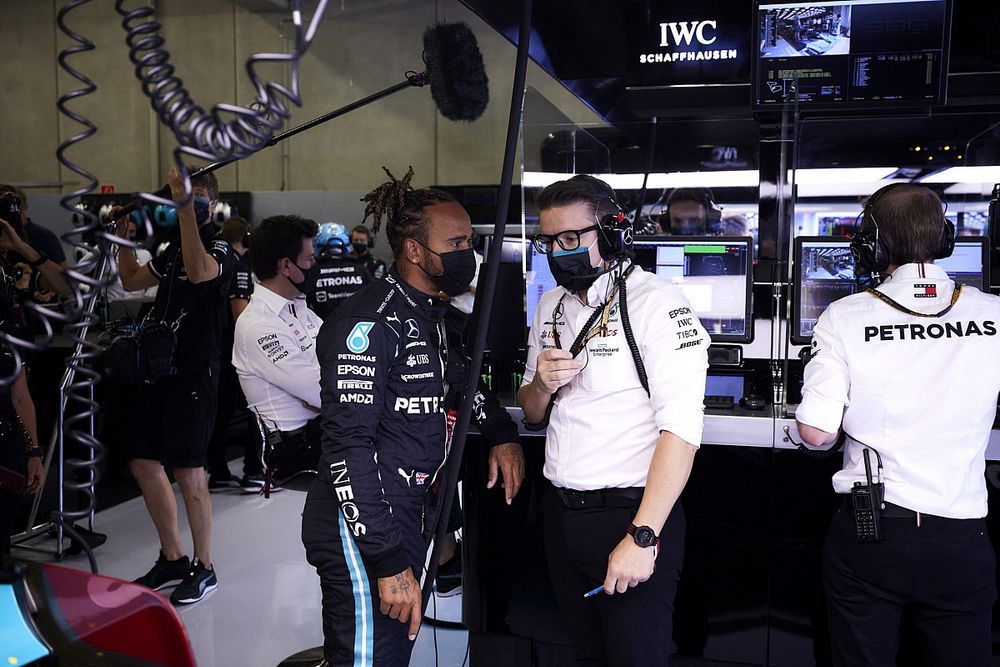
(692, 212)
(911, 372)
(616, 369)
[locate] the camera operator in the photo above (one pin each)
(34, 272)
(911, 372)
(390, 380)
(176, 413)
(274, 350)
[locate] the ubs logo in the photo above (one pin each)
(684, 31)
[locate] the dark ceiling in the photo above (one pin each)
(580, 43)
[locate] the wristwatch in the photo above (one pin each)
(643, 536)
(35, 453)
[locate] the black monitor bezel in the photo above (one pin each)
(747, 335)
(794, 325)
(916, 105)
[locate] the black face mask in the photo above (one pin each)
(360, 248)
(201, 211)
(310, 276)
(459, 270)
(572, 269)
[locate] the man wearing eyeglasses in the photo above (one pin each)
(616, 367)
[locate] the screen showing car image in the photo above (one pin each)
(713, 273)
(824, 272)
(852, 53)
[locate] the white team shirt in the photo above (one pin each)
(603, 428)
(274, 353)
(921, 391)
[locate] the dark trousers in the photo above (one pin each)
(940, 573)
(231, 400)
(355, 632)
(632, 628)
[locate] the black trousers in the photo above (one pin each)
(230, 400)
(632, 628)
(940, 573)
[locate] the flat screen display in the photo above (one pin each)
(824, 272)
(537, 281)
(854, 53)
(715, 275)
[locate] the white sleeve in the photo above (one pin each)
(534, 345)
(674, 347)
(826, 381)
(272, 354)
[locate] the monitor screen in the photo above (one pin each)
(733, 386)
(853, 53)
(713, 272)
(537, 280)
(824, 272)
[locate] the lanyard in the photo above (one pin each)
(900, 307)
(589, 330)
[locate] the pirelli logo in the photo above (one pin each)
(361, 385)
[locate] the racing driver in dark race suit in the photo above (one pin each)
(390, 390)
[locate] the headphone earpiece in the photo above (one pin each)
(947, 244)
(614, 233)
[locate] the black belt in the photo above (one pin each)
(295, 433)
(892, 511)
(625, 497)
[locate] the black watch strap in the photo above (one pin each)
(644, 536)
(42, 258)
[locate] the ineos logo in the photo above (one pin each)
(684, 31)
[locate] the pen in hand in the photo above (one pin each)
(590, 594)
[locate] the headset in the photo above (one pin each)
(870, 254)
(614, 232)
(701, 196)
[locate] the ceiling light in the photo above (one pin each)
(986, 174)
(842, 175)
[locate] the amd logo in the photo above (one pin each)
(684, 31)
(897, 27)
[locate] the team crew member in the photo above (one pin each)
(235, 232)
(361, 242)
(175, 415)
(617, 454)
(275, 341)
(390, 381)
(911, 373)
(341, 272)
(692, 211)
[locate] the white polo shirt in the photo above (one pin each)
(603, 428)
(274, 353)
(921, 391)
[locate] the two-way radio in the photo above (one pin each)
(868, 501)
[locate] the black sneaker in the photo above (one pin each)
(222, 481)
(255, 484)
(165, 572)
(448, 581)
(198, 583)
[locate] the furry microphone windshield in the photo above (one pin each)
(455, 70)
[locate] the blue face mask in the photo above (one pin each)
(572, 269)
(201, 211)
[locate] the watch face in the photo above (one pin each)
(644, 536)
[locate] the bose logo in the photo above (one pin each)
(684, 31)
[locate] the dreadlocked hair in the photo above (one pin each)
(402, 208)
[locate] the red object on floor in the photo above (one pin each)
(118, 616)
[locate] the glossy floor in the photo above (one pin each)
(267, 606)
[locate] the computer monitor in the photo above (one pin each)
(537, 280)
(852, 53)
(713, 272)
(824, 272)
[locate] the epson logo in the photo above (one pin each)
(897, 27)
(684, 31)
(352, 369)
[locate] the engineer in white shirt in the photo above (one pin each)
(274, 348)
(911, 374)
(620, 443)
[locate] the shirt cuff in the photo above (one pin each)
(391, 562)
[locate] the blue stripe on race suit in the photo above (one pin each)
(364, 629)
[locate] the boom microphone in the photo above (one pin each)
(455, 70)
